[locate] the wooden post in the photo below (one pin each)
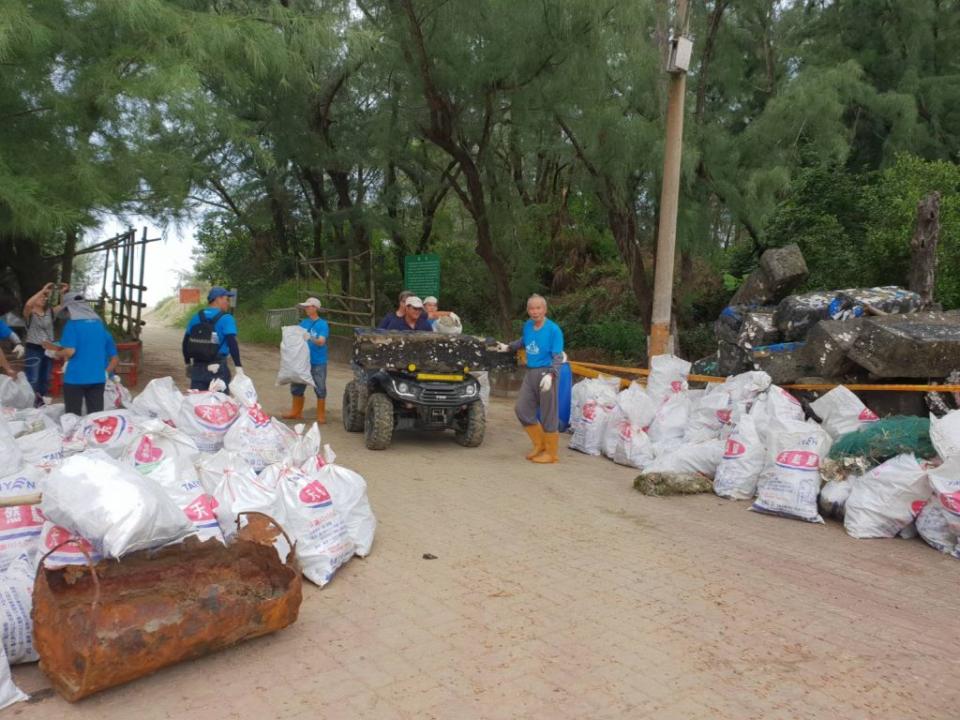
(923, 248)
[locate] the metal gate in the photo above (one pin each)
(121, 295)
(337, 284)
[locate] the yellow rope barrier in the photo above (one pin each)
(592, 370)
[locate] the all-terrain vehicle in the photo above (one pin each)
(416, 381)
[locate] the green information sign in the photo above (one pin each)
(421, 275)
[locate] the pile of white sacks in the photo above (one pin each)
(155, 470)
(752, 440)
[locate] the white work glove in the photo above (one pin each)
(213, 367)
(238, 372)
(217, 385)
(18, 351)
(546, 382)
(502, 347)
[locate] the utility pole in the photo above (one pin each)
(677, 65)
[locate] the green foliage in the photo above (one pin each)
(825, 215)
(855, 229)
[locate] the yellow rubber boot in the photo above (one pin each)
(549, 454)
(296, 411)
(321, 411)
(536, 437)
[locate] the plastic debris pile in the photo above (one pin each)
(157, 469)
(749, 439)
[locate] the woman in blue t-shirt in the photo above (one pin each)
(91, 356)
(543, 342)
(317, 333)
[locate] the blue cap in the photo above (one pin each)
(218, 292)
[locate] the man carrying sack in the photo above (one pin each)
(318, 330)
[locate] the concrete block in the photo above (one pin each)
(827, 345)
(921, 345)
(784, 362)
(758, 328)
(796, 314)
(781, 270)
(784, 268)
(755, 290)
(731, 359)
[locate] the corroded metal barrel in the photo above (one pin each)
(103, 625)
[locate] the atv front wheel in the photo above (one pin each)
(378, 422)
(471, 426)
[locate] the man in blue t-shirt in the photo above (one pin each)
(318, 330)
(202, 371)
(91, 356)
(414, 318)
(543, 342)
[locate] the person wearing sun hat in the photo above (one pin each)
(318, 330)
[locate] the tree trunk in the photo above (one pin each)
(390, 192)
(923, 248)
(623, 225)
(69, 249)
(361, 240)
(317, 208)
(485, 248)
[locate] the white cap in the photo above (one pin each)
(310, 301)
(430, 299)
(414, 301)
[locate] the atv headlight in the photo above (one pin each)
(471, 390)
(402, 388)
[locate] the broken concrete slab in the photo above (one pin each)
(755, 290)
(888, 299)
(796, 314)
(827, 345)
(919, 345)
(758, 328)
(783, 362)
(731, 359)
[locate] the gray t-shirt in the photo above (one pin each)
(40, 328)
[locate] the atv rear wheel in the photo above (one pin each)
(471, 426)
(378, 422)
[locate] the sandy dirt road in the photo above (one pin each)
(559, 592)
